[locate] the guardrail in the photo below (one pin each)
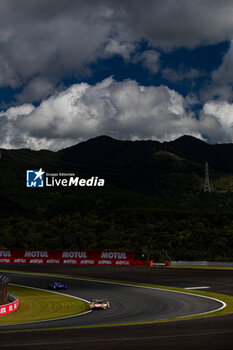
(202, 263)
(12, 306)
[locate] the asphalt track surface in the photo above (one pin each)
(207, 333)
(128, 303)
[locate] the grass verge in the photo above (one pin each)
(38, 305)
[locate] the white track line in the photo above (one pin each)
(204, 287)
(51, 319)
(134, 285)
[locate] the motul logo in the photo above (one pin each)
(122, 263)
(71, 255)
(5, 254)
(113, 255)
(36, 254)
(87, 262)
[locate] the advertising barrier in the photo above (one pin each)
(8, 308)
(68, 257)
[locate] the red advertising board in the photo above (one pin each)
(8, 308)
(70, 257)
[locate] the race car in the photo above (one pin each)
(99, 304)
(57, 285)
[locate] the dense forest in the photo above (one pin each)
(152, 202)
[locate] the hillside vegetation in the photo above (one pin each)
(152, 202)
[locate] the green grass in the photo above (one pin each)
(37, 305)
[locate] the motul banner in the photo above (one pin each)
(71, 257)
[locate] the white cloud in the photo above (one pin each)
(222, 111)
(15, 112)
(124, 110)
(217, 121)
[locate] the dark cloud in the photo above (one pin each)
(49, 41)
(176, 23)
(179, 75)
(43, 42)
(149, 59)
(56, 38)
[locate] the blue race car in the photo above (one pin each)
(57, 285)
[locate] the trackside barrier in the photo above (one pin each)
(141, 263)
(70, 257)
(158, 264)
(202, 263)
(12, 306)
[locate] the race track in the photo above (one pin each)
(128, 303)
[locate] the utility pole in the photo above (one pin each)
(207, 181)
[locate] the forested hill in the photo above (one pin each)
(104, 150)
(153, 197)
(172, 172)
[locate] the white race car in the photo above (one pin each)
(99, 304)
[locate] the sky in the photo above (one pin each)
(71, 70)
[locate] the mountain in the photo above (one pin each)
(218, 156)
(174, 169)
(136, 165)
(106, 151)
(168, 174)
(153, 197)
